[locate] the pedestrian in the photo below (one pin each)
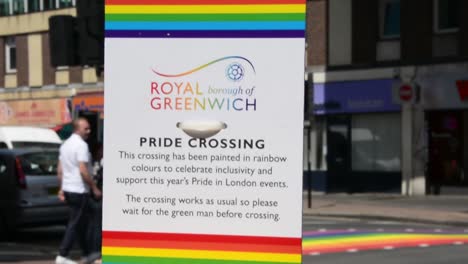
(75, 183)
(96, 209)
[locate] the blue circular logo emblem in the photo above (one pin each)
(235, 72)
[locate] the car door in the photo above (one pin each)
(8, 194)
(8, 184)
(39, 203)
(40, 171)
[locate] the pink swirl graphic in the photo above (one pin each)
(203, 66)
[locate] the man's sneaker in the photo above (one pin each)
(91, 258)
(64, 260)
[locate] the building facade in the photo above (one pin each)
(388, 100)
(387, 90)
(32, 91)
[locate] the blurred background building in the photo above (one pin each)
(387, 96)
(44, 80)
(386, 89)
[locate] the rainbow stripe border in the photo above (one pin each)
(205, 19)
(165, 248)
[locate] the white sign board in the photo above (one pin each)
(203, 149)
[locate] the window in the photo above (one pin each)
(446, 16)
(3, 145)
(65, 3)
(376, 142)
(5, 7)
(19, 7)
(39, 164)
(3, 168)
(34, 6)
(10, 55)
(389, 16)
(28, 144)
(50, 4)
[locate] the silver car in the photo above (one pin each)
(28, 189)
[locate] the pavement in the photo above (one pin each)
(439, 210)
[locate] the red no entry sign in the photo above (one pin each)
(406, 92)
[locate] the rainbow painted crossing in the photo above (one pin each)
(205, 19)
(164, 248)
(342, 240)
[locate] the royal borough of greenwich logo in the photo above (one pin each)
(223, 84)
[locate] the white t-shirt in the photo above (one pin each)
(73, 151)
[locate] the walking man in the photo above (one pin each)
(76, 182)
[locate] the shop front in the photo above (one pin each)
(91, 107)
(445, 104)
(362, 146)
(40, 113)
(89, 102)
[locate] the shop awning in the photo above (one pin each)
(64, 130)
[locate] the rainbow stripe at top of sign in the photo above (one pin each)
(205, 18)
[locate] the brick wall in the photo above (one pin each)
(316, 36)
(416, 30)
(47, 70)
(463, 33)
(22, 60)
(76, 74)
(365, 31)
(2, 62)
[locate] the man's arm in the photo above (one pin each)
(60, 194)
(88, 180)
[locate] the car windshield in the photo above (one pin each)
(40, 163)
(25, 144)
